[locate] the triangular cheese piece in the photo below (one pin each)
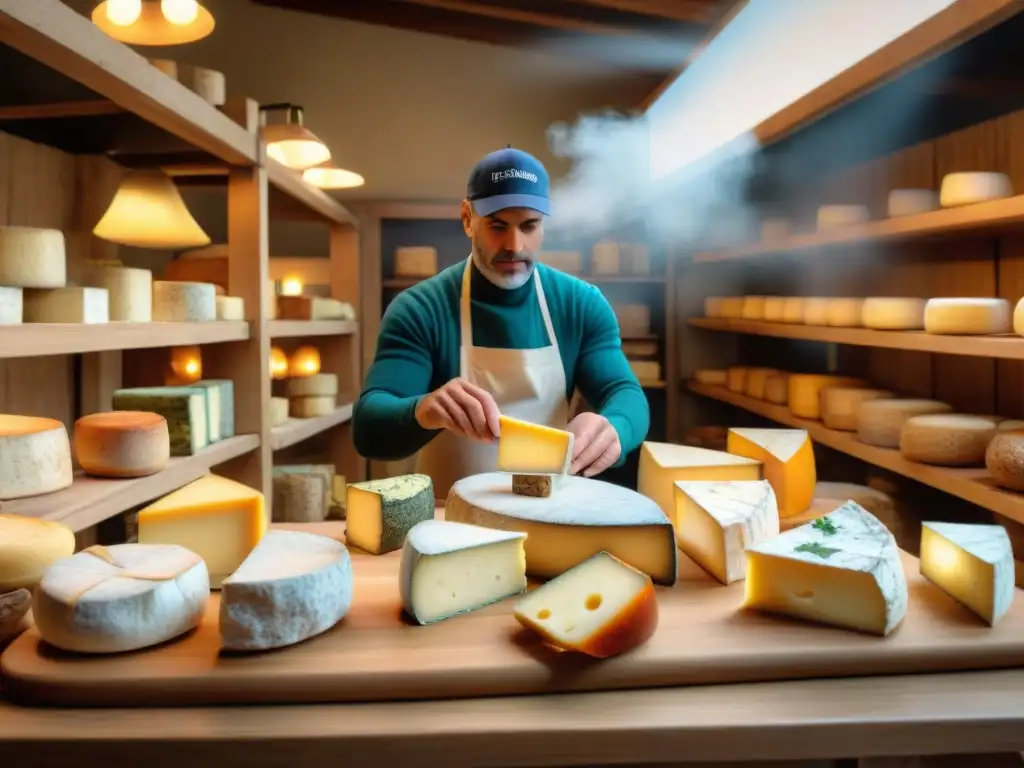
(788, 459)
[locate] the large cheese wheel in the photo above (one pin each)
(805, 392)
(10, 305)
(736, 379)
(843, 313)
(908, 202)
(717, 378)
(776, 388)
(756, 378)
(885, 313)
(129, 291)
(732, 307)
(35, 456)
(839, 405)
(122, 443)
(1004, 460)
(815, 311)
(879, 422)
(793, 309)
(774, 308)
(967, 316)
(966, 188)
(948, 439)
(181, 302)
(32, 258)
(753, 308)
(28, 547)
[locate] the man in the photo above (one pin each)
(498, 333)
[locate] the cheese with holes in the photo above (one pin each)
(756, 379)
(293, 586)
(311, 407)
(278, 411)
(910, 202)
(947, 439)
(793, 309)
(787, 459)
(712, 377)
(713, 306)
(28, 546)
(584, 517)
(601, 607)
(219, 519)
(736, 379)
(66, 305)
(450, 568)
(317, 385)
(32, 258)
(843, 313)
(381, 513)
(184, 408)
(35, 456)
(815, 311)
(972, 563)
(885, 313)
(10, 305)
(753, 308)
(844, 570)
(121, 598)
(716, 522)
(840, 405)
(880, 422)
(805, 392)
(776, 388)
(967, 188)
(183, 302)
(662, 465)
(122, 443)
(529, 449)
(833, 216)
(1004, 459)
(774, 308)
(129, 291)
(967, 316)
(230, 307)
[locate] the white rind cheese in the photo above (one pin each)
(230, 308)
(967, 316)
(35, 456)
(129, 291)
(32, 258)
(66, 305)
(317, 385)
(910, 202)
(967, 188)
(11, 311)
(834, 216)
(947, 439)
(880, 421)
(884, 313)
(182, 302)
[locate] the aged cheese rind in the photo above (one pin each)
(72, 304)
(947, 439)
(326, 473)
(299, 498)
(879, 422)
(293, 586)
(787, 459)
(381, 513)
(805, 392)
(184, 408)
(967, 316)
(539, 486)
(11, 305)
(122, 443)
(1004, 460)
(311, 407)
(28, 546)
(35, 456)
(129, 291)
(184, 302)
(32, 258)
(525, 448)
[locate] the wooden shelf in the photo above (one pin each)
(39, 339)
(973, 485)
(313, 199)
(400, 283)
(1007, 347)
(92, 500)
(627, 279)
(281, 329)
(652, 384)
(296, 430)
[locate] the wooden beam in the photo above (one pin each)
(63, 109)
(686, 11)
(525, 17)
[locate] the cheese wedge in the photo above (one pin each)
(971, 563)
(28, 546)
(716, 522)
(528, 449)
(787, 458)
(451, 568)
(844, 569)
(602, 608)
(382, 512)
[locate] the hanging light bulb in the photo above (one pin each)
(154, 22)
(278, 363)
(291, 143)
(305, 362)
(148, 212)
(124, 12)
(180, 12)
(329, 176)
(291, 286)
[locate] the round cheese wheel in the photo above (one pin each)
(843, 313)
(713, 306)
(947, 439)
(815, 311)
(35, 456)
(967, 316)
(776, 388)
(129, 292)
(805, 392)
(717, 378)
(774, 308)
(122, 443)
(732, 307)
(908, 202)
(1018, 318)
(317, 385)
(884, 313)
(11, 306)
(833, 216)
(311, 407)
(28, 546)
(753, 308)
(966, 188)
(1004, 460)
(839, 405)
(32, 258)
(880, 422)
(756, 378)
(736, 379)
(182, 302)
(793, 309)
(209, 84)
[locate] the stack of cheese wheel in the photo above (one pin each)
(880, 421)
(968, 188)
(32, 269)
(311, 396)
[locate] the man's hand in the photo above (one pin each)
(462, 408)
(596, 446)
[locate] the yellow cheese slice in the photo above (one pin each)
(527, 448)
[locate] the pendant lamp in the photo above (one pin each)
(148, 212)
(291, 143)
(154, 22)
(329, 176)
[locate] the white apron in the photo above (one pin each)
(528, 384)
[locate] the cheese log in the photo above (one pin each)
(971, 563)
(184, 408)
(815, 311)
(883, 313)
(967, 188)
(843, 313)
(787, 459)
(299, 498)
(753, 308)
(121, 598)
(311, 407)
(879, 422)
(217, 518)
(129, 291)
(450, 568)
(909, 202)
(293, 586)
(736, 379)
(716, 522)
(122, 443)
(805, 392)
(66, 305)
(222, 396)
(323, 471)
(540, 486)
(15, 616)
(32, 258)
(844, 569)
(28, 546)
(793, 309)
(182, 302)
(833, 216)
(601, 607)
(967, 316)
(584, 517)
(317, 385)
(840, 405)
(11, 311)
(712, 377)
(278, 413)
(381, 513)
(756, 379)
(776, 388)
(947, 439)
(35, 456)
(662, 465)
(525, 448)
(415, 261)
(230, 307)
(1004, 460)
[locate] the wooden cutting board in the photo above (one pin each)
(704, 637)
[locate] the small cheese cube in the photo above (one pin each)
(526, 448)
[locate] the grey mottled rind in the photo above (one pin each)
(175, 405)
(401, 514)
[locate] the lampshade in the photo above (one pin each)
(148, 212)
(278, 363)
(305, 362)
(153, 22)
(291, 143)
(329, 176)
(187, 363)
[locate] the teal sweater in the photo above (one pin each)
(418, 351)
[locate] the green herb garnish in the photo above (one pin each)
(825, 525)
(814, 548)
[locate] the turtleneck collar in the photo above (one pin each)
(482, 289)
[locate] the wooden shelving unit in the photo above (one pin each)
(295, 431)
(286, 329)
(31, 340)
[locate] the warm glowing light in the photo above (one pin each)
(278, 363)
(124, 12)
(291, 143)
(305, 362)
(148, 212)
(291, 286)
(329, 176)
(180, 12)
(187, 363)
(154, 22)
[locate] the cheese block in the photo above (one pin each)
(528, 449)
(221, 402)
(793, 309)
(35, 456)
(909, 202)
(815, 311)
(878, 503)
(208, 83)
(299, 498)
(753, 308)
(972, 563)
(450, 568)
(844, 570)
(717, 378)
(219, 519)
(28, 546)
(880, 422)
(967, 316)
(776, 388)
(381, 513)
(947, 439)
(15, 614)
(184, 408)
(311, 407)
(1004, 459)
(122, 443)
(834, 216)
(605, 259)
(311, 308)
(570, 262)
(967, 188)
(11, 304)
(326, 475)
(839, 405)
(736, 379)
(713, 306)
(539, 486)
(66, 305)
(129, 291)
(230, 307)
(716, 522)
(601, 607)
(662, 465)
(32, 258)
(183, 302)
(278, 411)
(805, 392)
(415, 261)
(121, 598)
(584, 517)
(755, 381)
(317, 385)
(732, 307)
(884, 313)
(774, 309)
(843, 313)
(294, 585)
(787, 459)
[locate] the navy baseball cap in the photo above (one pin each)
(509, 178)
